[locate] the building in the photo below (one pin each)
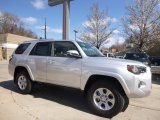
(8, 43)
(109, 50)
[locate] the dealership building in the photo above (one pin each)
(8, 43)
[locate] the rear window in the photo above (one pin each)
(21, 48)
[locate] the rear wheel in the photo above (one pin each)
(23, 82)
(104, 99)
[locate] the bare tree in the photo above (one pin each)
(96, 29)
(12, 24)
(141, 23)
(8, 22)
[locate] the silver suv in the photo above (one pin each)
(107, 83)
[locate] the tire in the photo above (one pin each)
(23, 82)
(104, 99)
(126, 103)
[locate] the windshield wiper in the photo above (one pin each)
(96, 56)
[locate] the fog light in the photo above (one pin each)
(140, 84)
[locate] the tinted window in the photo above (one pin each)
(61, 48)
(135, 56)
(21, 48)
(42, 49)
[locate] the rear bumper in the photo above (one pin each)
(11, 69)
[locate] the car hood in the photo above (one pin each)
(104, 61)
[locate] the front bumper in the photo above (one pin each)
(142, 85)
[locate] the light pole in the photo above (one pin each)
(75, 31)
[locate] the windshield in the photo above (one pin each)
(90, 50)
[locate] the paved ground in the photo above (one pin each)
(56, 103)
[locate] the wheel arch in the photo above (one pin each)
(22, 68)
(108, 79)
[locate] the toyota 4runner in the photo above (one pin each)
(107, 83)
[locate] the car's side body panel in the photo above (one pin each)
(64, 71)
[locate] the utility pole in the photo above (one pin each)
(45, 30)
(75, 31)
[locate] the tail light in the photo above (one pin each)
(10, 58)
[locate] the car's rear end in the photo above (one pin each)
(16, 56)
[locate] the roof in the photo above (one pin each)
(49, 40)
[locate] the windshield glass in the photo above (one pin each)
(90, 50)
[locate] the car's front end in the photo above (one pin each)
(138, 79)
(134, 76)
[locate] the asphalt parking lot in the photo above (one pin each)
(57, 103)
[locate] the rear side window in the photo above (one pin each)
(21, 48)
(42, 49)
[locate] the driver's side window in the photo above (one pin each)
(61, 48)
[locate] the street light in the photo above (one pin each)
(75, 31)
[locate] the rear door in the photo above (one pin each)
(37, 60)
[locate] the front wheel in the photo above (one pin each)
(24, 82)
(126, 103)
(104, 99)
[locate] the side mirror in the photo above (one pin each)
(73, 53)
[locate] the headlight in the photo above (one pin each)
(136, 69)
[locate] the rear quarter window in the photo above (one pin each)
(21, 48)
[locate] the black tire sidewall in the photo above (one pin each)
(119, 102)
(126, 103)
(28, 88)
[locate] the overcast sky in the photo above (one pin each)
(33, 12)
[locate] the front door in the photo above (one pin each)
(62, 69)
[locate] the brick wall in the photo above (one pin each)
(10, 39)
(1, 54)
(2, 40)
(9, 52)
(16, 39)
